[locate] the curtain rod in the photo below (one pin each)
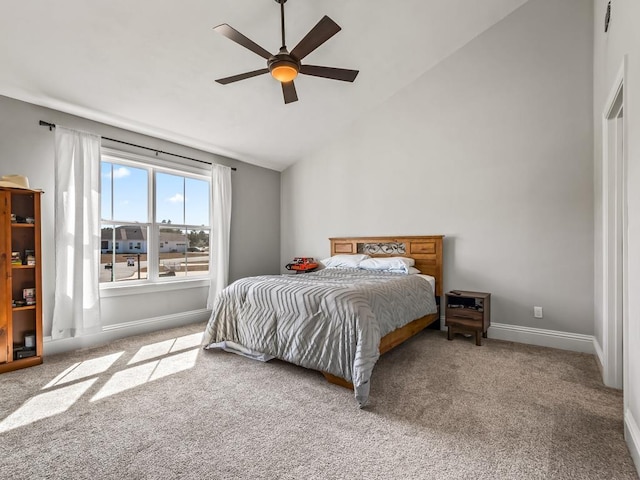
(51, 126)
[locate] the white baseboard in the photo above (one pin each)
(575, 342)
(110, 333)
(512, 333)
(632, 436)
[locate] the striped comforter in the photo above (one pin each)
(331, 320)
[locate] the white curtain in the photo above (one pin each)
(220, 208)
(77, 234)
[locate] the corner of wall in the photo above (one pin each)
(632, 436)
(599, 355)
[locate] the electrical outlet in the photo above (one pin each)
(537, 312)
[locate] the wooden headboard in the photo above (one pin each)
(425, 250)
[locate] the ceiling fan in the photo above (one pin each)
(285, 66)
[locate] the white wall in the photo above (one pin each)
(492, 148)
(623, 39)
(28, 149)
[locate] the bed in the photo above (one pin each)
(336, 320)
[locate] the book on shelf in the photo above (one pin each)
(16, 258)
(29, 296)
(29, 257)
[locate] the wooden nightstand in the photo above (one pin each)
(468, 312)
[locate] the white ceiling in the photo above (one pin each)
(150, 65)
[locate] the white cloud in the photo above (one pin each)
(177, 198)
(119, 172)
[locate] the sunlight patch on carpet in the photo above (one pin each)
(45, 405)
(84, 369)
(159, 349)
(147, 372)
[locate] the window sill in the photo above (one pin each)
(109, 291)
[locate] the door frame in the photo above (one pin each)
(614, 233)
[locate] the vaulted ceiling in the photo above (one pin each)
(149, 65)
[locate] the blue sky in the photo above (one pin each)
(179, 199)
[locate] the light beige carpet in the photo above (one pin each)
(157, 406)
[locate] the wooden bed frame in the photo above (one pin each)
(427, 253)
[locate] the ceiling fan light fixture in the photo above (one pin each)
(284, 73)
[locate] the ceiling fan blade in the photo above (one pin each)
(323, 31)
(242, 76)
(330, 72)
(289, 92)
(232, 34)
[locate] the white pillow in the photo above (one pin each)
(413, 270)
(344, 261)
(392, 264)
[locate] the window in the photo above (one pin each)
(155, 220)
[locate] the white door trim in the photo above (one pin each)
(614, 200)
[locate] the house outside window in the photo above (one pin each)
(155, 220)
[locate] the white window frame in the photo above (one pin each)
(154, 282)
